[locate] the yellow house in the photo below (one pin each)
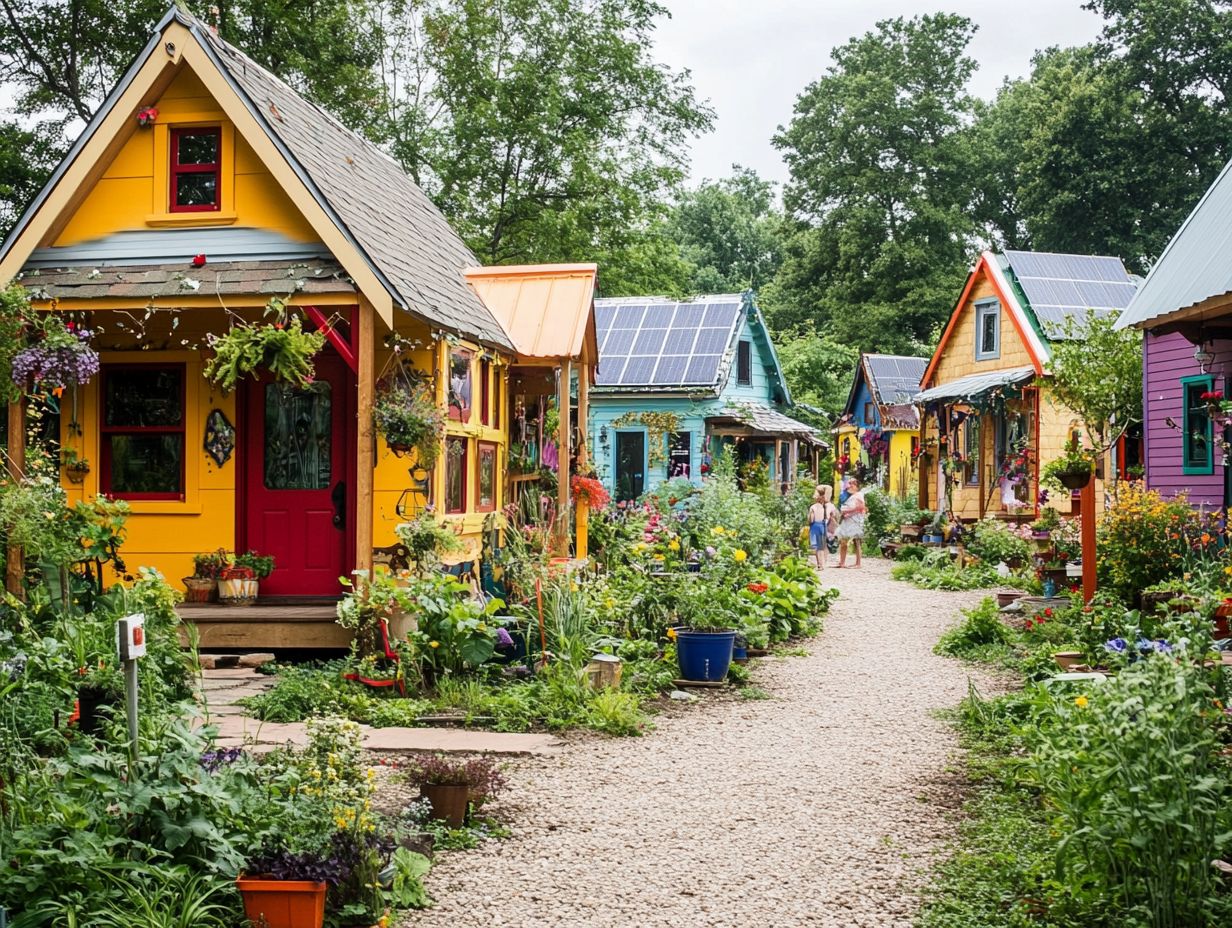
(203, 187)
(989, 419)
(878, 431)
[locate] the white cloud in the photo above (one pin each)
(752, 59)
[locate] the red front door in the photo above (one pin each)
(295, 503)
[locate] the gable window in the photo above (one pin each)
(870, 413)
(744, 362)
(987, 330)
(195, 169)
(1197, 451)
(142, 426)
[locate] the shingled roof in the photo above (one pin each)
(403, 237)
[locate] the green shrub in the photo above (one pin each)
(994, 542)
(981, 627)
(1138, 795)
(882, 517)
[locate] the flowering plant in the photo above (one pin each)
(591, 490)
(405, 413)
(1017, 463)
(481, 775)
(60, 357)
(875, 443)
(147, 117)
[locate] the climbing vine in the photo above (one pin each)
(659, 425)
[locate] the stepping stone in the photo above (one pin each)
(229, 673)
(218, 661)
(256, 659)
(456, 741)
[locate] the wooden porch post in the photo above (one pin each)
(582, 547)
(564, 426)
(364, 438)
(1088, 540)
(13, 558)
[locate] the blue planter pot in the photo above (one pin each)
(933, 539)
(704, 656)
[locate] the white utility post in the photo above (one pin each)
(130, 643)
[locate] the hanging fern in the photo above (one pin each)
(282, 347)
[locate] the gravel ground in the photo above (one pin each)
(819, 806)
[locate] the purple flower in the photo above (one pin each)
(1162, 647)
(1145, 645)
(710, 552)
(212, 761)
(1116, 645)
(503, 639)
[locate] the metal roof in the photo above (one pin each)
(765, 420)
(169, 246)
(975, 384)
(653, 342)
(1060, 289)
(1195, 266)
(547, 309)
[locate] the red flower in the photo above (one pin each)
(147, 116)
(198, 261)
(1212, 396)
(1048, 613)
(757, 588)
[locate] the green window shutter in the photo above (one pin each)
(1197, 435)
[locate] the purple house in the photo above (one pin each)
(1185, 309)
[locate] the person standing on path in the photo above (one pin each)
(851, 529)
(822, 516)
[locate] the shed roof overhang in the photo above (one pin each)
(966, 388)
(759, 421)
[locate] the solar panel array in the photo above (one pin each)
(661, 344)
(897, 377)
(1063, 287)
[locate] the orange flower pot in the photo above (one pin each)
(283, 903)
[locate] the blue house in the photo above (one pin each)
(678, 380)
(878, 432)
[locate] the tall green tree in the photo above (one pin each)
(60, 58)
(544, 129)
(818, 370)
(728, 230)
(880, 193)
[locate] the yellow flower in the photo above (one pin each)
(371, 773)
(671, 634)
(1081, 702)
(674, 545)
(658, 557)
(739, 555)
(718, 530)
(434, 644)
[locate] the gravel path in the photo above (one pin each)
(819, 806)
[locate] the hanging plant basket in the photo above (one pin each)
(1074, 479)
(405, 413)
(280, 346)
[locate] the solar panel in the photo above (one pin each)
(663, 344)
(896, 377)
(1061, 288)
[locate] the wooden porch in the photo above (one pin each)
(266, 626)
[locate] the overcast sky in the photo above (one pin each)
(751, 58)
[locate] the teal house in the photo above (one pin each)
(676, 381)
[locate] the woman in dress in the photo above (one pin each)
(821, 515)
(851, 529)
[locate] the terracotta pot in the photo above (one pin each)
(1223, 625)
(1067, 659)
(283, 903)
(200, 590)
(449, 803)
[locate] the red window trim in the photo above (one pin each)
(464, 483)
(482, 447)
(485, 398)
(175, 169)
(104, 477)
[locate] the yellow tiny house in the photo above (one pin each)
(202, 190)
(989, 420)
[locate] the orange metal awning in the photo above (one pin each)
(546, 309)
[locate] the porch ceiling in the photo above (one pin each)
(227, 278)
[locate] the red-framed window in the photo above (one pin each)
(196, 175)
(461, 384)
(455, 474)
(142, 431)
(485, 392)
(485, 477)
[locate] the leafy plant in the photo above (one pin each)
(481, 775)
(981, 627)
(405, 413)
(993, 542)
(209, 565)
(261, 565)
(427, 539)
(1075, 461)
(281, 346)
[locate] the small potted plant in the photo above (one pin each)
(282, 888)
(1073, 469)
(451, 787)
(239, 582)
(202, 586)
(1043, 527)
(75, 467)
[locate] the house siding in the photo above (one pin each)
(1167, 359)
